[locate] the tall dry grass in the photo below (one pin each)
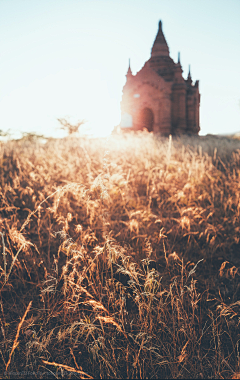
(120, 258)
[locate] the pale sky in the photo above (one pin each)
(68, 58)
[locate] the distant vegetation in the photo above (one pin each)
(70, 128)
(120, 257)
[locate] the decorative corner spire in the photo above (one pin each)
(189, 78)
(179, 58)
(129, 72)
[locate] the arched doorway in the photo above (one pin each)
(146, 119)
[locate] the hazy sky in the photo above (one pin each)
(69, 58)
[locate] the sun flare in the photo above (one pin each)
(75, 94)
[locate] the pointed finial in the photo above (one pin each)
(189, 78)
(179, 57)
(160, 25)
(129, 72)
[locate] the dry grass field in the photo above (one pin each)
(120, 258)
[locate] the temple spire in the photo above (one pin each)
(179, 58)
(160, 47)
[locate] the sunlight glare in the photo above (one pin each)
(75, 94)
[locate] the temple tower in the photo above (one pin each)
(158, 98)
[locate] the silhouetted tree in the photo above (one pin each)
(70, 128)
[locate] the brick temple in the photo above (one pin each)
(158, 98)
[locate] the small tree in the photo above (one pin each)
(31, 137)
(5, 134)
(70, 128)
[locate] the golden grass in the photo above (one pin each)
(127, 251)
